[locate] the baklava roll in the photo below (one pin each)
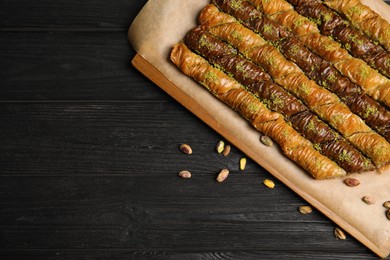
(370, 80)
(364, 18)
(313, 65)
(256, 80)
(286, 73)
(270, 123)
(358, 44)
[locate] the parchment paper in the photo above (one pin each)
(161, 24)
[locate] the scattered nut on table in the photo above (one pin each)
(185, 174)
(368, 200)
(185, 148)
(220, 146)
(226, 150)
(386, 204)
(242, 164)
(305, 209)
(339, 234)
(269, 183)
(223, 174)
(266, 140)
(388, 214)
(351, 182)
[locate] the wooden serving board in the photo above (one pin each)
(160, 80)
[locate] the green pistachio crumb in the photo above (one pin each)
(344, 156)
(236, 35)
(317, 147)
(305, 89)
(354, 10)
(210, 76)
(236, 4)
(369, 112)
(327, 17)
(268, 28)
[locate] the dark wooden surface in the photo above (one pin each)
(89, 155)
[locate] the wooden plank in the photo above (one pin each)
(139, 213)
(106, 138)
(70, 66)
(180, 255)
(63, 14)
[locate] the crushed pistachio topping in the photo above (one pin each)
(324, 83)
(204, 42)
(240, 67)
(294, 49)
(311, 127)
(267, 102)
(317, 147)
(268, 28)
(300, 21)
(379, 150)
(272, 61)
(236, 35)
(364, 72)
(347, 46)
(354, 10)
(277, 101)
(330, 47)
(369, 111)
(318, 164)
(316, 20)
(366, 162)
(305, 89)
(253, 107)
(236, 4)
(210, 76)
(327, 17)
(387, 63)
(337, 119)
(344, 156)
(332, 78)
(355, 39)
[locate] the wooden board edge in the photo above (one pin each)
(180, 96)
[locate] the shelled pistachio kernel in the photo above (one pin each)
(185, 148)
(368, 200)
(220, 146)
(185, 174)
(351, 182)
(339, 234)
(388, 214)
(387, 204)
(266, 140)
(242, 164)
(226, 150)
(269, 183)
(305, 209)
(223, 174)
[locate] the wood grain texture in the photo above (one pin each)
(70, 66)
(89, 155)
(144, 212)
(180, 255)
(106, 138)
(62, 14)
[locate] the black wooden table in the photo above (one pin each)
(89, 155)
